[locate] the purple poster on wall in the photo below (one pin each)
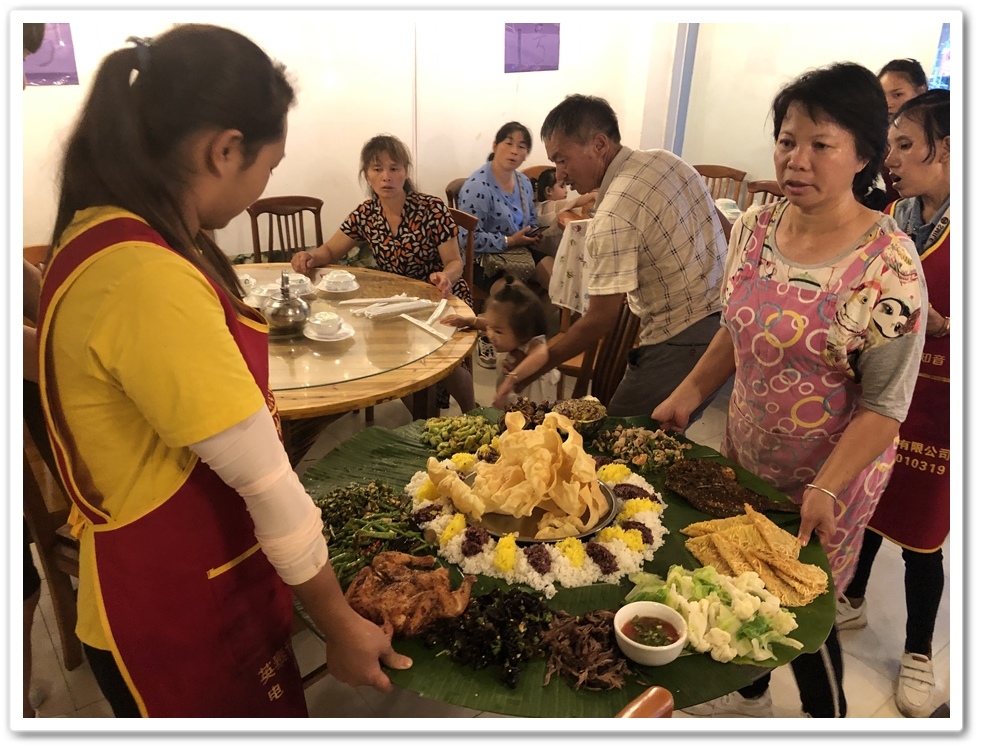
(54, 62)
(531, 46)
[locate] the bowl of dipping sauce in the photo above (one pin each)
(324, 323)
(650, 633)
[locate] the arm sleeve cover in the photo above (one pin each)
(250, 459)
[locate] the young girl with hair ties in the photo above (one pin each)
(195, 533)
(557, 208)
(514, 320)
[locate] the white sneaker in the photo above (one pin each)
(848, 617)
(485, 353)
(734, 705)
(915, 687)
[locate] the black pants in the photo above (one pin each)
(819, 678)
(923, 587)
(111, 683)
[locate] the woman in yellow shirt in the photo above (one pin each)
(154, 381)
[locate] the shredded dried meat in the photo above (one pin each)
(583, 651)
(603, 557)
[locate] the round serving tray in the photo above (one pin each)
(502, 524)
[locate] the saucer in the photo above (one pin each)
(344, 332)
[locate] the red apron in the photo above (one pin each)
(198, 620)
(915, 510)
(789, 408)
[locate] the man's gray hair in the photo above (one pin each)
(578, 117)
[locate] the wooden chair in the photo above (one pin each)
(654, 703)
(611, 360)
(579, 367)
(763, 192)
(35, 254)
(467, 221)
(723, 182)
(46, 512)
(287, 213)
(453, 190)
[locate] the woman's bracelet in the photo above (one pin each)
(945, 329)
(822, 489)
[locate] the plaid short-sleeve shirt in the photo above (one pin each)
(656, 238)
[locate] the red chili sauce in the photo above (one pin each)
(650, 631)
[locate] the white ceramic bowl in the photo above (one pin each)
(325, 323)
(338, 280)
(652, 656)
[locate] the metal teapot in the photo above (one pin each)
(285, 312)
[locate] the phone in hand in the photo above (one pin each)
(533, 231)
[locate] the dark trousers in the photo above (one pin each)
(111, 683)
(655, 370)
(819, 678)
(923, 587)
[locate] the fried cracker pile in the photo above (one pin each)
(752, 542)
(537, 470)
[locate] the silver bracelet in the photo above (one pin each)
(822, 489)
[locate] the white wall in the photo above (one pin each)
(434, 79)
(739, 67)
(462, 104)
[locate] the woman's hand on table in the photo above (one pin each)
(440, 280)
(357, 647)
(302, 261)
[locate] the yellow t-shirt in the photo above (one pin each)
(144, 365)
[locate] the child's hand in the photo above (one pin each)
(457, 321)
(504, 391)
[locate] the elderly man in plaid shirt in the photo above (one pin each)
(656, 238)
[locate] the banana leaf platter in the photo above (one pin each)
(393, 456)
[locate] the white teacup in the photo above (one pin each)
(325, 323)
(338, 280)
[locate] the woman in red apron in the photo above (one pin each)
(919, 489)
(193, 528)
(821, 309)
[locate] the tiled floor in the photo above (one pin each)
(871, 655)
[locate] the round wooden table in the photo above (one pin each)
(315, 382)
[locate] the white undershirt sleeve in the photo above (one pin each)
(250, 459)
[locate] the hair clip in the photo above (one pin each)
(142, 44)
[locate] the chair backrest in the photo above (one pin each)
(533, 174)
(467, 221)
(453, 190)
(611, 362)
(723, 182)
(35, 254)
(762, 192)
(286, 212)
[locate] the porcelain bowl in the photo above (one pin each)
(651, 656)
(337, 280)
(324, 323)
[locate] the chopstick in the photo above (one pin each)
(425, 326)
(377, 300)
(437, 313)
(386, 310)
